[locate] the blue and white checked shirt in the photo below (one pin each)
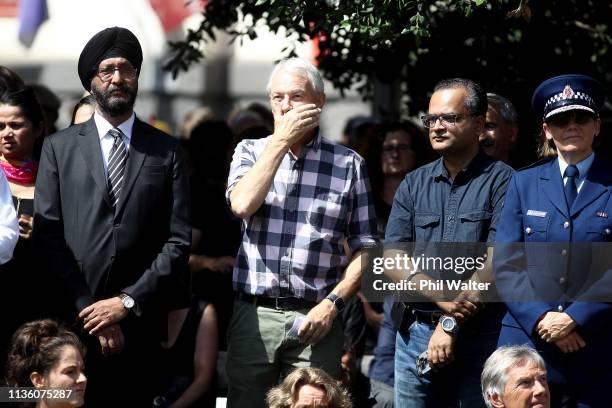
(293, 245)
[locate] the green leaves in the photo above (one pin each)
(375, 24)
(415, 43)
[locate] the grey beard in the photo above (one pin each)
(115, 106)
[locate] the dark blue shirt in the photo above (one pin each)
(431, 207)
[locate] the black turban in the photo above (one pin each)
(109, 43)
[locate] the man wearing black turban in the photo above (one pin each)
(111, 221)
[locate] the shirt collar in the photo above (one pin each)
(439, 171)
(315, 142)
(104, 126)
(474, 167)
(583, 166)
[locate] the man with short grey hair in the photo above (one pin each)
(500, 133)
(301, 197)
(513, 377)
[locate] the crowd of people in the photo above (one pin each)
(231, 257)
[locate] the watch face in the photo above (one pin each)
(448, 324)
(128, 302)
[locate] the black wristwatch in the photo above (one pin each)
(337, 301)
(449, 324)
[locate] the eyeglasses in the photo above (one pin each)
(446, 119)
(107, 73)
(563, 119)
(400, 148)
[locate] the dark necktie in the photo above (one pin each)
(116, 165)
(571, 191)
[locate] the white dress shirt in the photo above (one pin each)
(106, 140)
(9, 229)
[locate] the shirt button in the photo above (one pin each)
(607, 231)
(564, 252)
(566, 224)
(562, 280)
(528, 230)
(559, 308)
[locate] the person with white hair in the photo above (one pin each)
(515, 377)
(301, 197)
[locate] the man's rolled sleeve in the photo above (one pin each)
(361, 229)
(242, 161)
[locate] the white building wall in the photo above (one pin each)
(231, 75)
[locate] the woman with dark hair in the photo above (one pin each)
(215, 230)
(43, 354)
(83, 110)
(9, 80)
(21, 123)
(395, 149)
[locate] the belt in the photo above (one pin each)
(278, 303)
(426, 316)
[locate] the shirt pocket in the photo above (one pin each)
(153, 170)
(475, 225)
(535, 229)
(426, 227)
(599, 230)
(326, 210)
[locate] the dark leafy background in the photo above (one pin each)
(509, 46)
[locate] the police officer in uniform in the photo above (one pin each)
(555, 303)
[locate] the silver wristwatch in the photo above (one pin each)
(127, 300)
(449, 324)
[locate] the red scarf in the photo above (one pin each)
(25, 174)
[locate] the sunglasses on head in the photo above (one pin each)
(563, 119)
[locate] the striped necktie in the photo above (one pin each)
(116, 165)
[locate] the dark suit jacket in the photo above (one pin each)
(141, 248)
(577, 279)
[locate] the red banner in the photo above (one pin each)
(8, 8)
(172, 13)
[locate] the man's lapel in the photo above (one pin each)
(89, 144)
(138, 147)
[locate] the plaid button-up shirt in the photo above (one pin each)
(293, 244)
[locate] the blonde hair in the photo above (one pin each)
(546, 148)
(284, 394)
